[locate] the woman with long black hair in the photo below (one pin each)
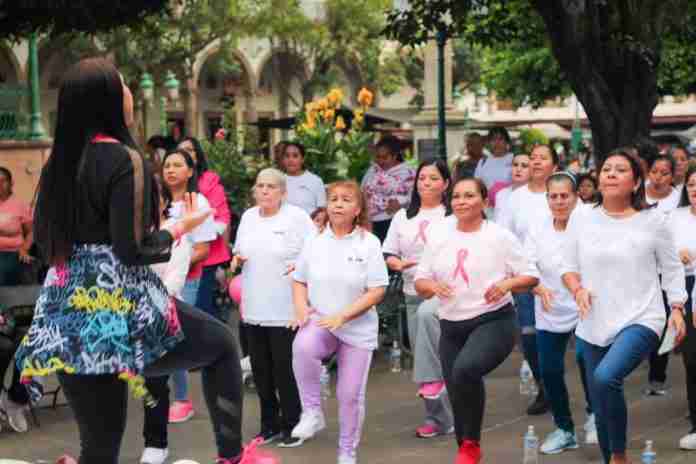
(104, 319)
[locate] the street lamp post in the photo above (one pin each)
(441, 38)
(147, 86)
(36, 130)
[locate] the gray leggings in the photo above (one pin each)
(424, 334)
(469, 350)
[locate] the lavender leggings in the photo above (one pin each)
(312, 345)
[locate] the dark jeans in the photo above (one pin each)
(524, 303)
(469, 350)
(206, 292)
(270, 353)
(689, 353)
(552, 350)
(99, 402)
(380, 229)
(157, 417)
(607, 367)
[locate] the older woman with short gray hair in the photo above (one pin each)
(269, 239)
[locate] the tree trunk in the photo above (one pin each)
(613, 75)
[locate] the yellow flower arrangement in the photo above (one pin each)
(329, 114)
(365, 97)
(335, 97)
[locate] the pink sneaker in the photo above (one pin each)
(432, 390)
(432, 430)
(180, 411)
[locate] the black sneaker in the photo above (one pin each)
(289, 441)
(539, 406)
(269, 436)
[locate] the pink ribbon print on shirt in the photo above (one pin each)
(460, 269)
(421, 232)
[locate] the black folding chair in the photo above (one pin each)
(19, 302)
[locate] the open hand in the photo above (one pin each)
(192, 217)
(685, 257)
(495, 292)
(332, 322)
(442, 290)
(546, 295)
(583, 298)
(676, 322)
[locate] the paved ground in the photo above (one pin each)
(392, 412)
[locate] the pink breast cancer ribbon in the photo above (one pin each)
(421, 232)
(461, 257)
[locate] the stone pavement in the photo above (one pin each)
(392, 413)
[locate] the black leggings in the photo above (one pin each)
(99, 402)
(469, 350)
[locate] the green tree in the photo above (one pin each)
(314, 41)
(19, 18)
(616, 56)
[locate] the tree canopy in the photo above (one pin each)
(617, 56)
(19, 18)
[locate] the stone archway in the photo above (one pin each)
(212, 89)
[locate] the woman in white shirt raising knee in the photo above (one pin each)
(340, 277)
(610, 266)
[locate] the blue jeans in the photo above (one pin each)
(607, 367)
(180, 378)
(552, 350)
(524, 302)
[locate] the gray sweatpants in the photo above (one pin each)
(424, 334)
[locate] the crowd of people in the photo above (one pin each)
(509, 248)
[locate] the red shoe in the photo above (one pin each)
(65, 459)
(469, 453)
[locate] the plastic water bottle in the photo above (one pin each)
(526, 380)
(395, 357)
(649, 455)
(325, 380)
(531, 447)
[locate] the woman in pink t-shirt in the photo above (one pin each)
(15, 231)
(472, 265)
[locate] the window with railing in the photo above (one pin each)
(13, 121)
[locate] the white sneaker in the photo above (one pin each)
(245, 363)
(311, 422)
(347, 459)
(688, 442)
(590, 431)
(558, 441)
(154, 456)
(15, 414)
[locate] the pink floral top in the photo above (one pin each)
(380, 186)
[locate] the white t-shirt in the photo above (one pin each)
(407, 238)
(525, 208)
(337, 272)
(306, 191)
(470, 262)
(270, 244)
(502, 200)
(544, 248)
(682, 223)
(205, 232)
(667, 204)
(492, 169)
(618, 260)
